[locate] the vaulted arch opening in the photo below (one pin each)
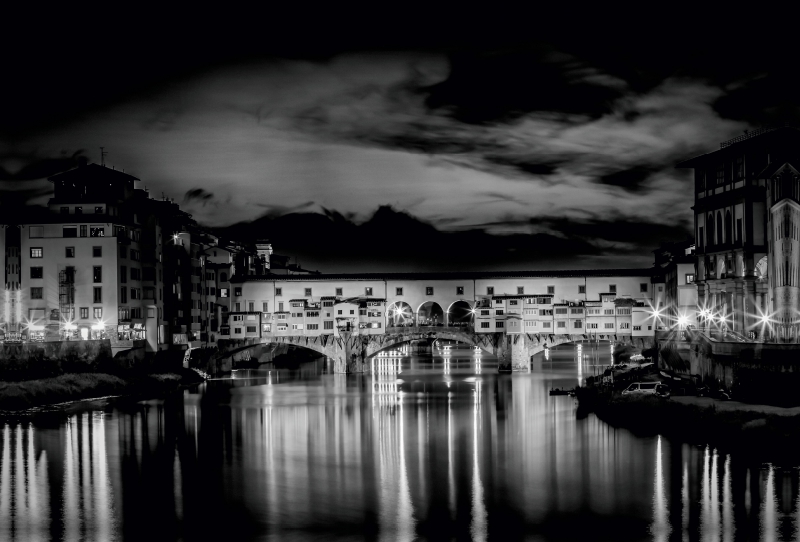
(400, 314)
(459, 314)
(728, 227)
(720, 239)
(430, 314)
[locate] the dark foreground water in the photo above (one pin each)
(424, 448)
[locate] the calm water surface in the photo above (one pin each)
(426, 447)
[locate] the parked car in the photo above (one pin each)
(662, 390)
(643, 388)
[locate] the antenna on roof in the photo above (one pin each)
(102, 156)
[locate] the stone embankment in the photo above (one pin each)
(22, 395)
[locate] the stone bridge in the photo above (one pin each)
(350, 352)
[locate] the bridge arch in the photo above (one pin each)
(459, 313)
(430, 313)
(400, 314)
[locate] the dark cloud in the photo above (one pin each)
(32, 167)
(503, 85)
(529, 166)
(200, 195)
(632, 179)
(274, 211)
(396, 240)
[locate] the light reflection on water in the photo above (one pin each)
(421, 448)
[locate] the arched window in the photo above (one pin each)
(720, 240)
(710, 229)
(728, 227)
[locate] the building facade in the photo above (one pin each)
(747, 243)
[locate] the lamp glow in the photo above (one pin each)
(683, 320)
(70, 326)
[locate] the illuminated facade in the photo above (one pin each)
(601, 302)
(747, 219)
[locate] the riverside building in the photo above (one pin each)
(747, 224)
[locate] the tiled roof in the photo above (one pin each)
(462, 275)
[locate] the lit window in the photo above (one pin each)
(98, 312)
(367, 291)
(278, 291)
(97, 231)
(398, 291)
(36, 252)
(490, 290)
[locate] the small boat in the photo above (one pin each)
(559, 391)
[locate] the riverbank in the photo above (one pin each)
(763, 433)
(17, 396)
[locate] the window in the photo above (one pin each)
(37, 272)
(312, 326)
(237, 291)
(352, 311)
(624, 312)
(609, 312)
(327, 324)
(609, 325)
(123, 294)
(84, 312)
(520, 290)
(98, 295)
(69, 231)
(484, 313)
(643, 287)
(83, 228)
(398, 291)
(97, 274)
(98, 312)
(689, 278)
(499, 312)
(499, 324)
(637, 328)
(578, 324)
(339, 291)
(308, 292)
(251, 329)
(36, 293)
(36, 252)
(581, 288)
(237, 307)
(561, 323)
(97, 252)
(251, 306)
(551, 289)
(660, 288)
(136, 273)
(484, 325)
(367, 291)
(459, 290)
(624, 325)
(98, 210)
(70, 252)
(490, 290)
(429, 290)
(36, 231)
(237, 330)
(513, 302)
(591, 326)
(547, 325)
(612, 288)
(135, 256)
(264, 307)
(97, 231)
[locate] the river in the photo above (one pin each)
(426, 447)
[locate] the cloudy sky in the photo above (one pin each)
(440, 146)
